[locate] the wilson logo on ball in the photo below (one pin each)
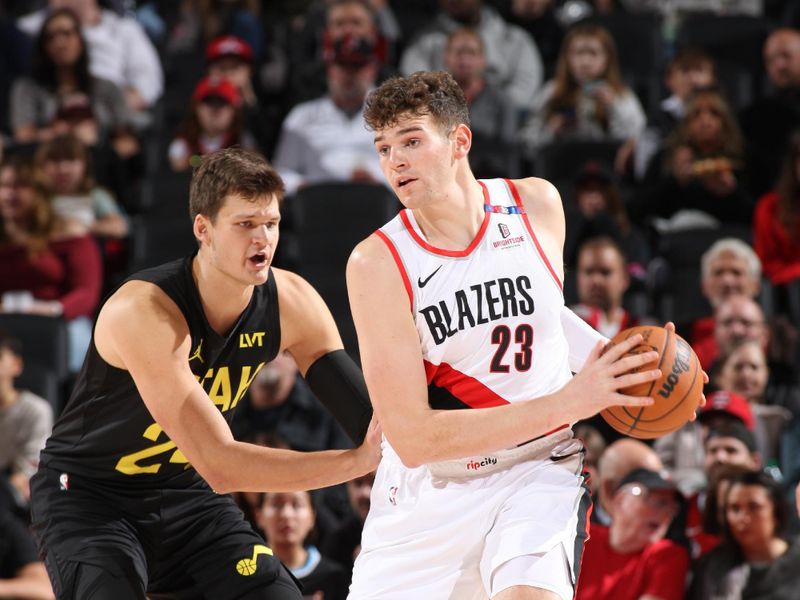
(681, 364)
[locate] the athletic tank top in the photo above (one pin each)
(488, 317)
(106, 431)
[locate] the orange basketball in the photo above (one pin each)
(676, 393)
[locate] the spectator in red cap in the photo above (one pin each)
(683, 451)
(229, 57)
(325, 139)
(214, 121)
(723, 405)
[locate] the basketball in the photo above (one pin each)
(676, 393)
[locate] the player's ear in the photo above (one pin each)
(200, 228)
(462, 136)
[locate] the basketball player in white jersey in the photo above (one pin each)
(468, 350)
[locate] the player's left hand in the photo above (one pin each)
(370, 449)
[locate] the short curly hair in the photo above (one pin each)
(433, 93)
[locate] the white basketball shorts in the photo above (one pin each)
(435, 537)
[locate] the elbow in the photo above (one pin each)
(217, 477)
(411, 451)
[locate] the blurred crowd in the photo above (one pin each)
(671, 130)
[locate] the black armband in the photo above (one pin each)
(339, 384)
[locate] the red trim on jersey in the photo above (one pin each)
(452, 253)
(400, 266)
(467, 389)
(518, 200)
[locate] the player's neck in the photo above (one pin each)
(223, 299)
(455, 219)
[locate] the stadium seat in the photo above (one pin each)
(43, 382)
(44, 340)
(156, 239)
(562, 160)
(166, 194)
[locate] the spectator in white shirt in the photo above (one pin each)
(326, 139)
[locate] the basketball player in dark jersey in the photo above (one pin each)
(131, 495)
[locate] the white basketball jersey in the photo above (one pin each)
(488, 317)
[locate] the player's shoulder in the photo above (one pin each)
(370, 257)
(144, 299)
(296, 296)
(538, 192)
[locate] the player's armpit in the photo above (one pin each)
(581, 338)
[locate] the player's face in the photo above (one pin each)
(241, 241)
(601, 278)
(745, 372)
(287, 518)
(750, 515)
(417, 159)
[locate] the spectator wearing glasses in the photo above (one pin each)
(631, 559)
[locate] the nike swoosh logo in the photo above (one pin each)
(423, 282)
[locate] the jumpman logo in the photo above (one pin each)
(197, 353)
(248, 566)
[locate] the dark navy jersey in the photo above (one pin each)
(106, 431)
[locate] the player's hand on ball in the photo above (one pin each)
(609, 369)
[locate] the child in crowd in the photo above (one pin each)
(66, 166)
(588, 98)
(214, 121)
